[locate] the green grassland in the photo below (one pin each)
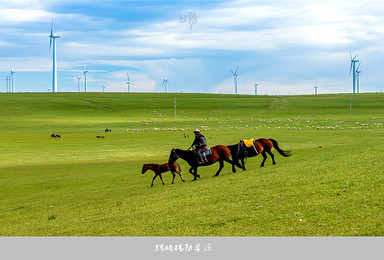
(80, 185)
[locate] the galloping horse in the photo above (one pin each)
(158, 169)
(262, 145)
(220, 153)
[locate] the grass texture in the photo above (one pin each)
(80, 185)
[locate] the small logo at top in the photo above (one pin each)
(191, 18)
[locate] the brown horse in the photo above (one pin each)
(220, 153)
(158, 169)
(261, 146)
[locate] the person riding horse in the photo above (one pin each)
(200, 144)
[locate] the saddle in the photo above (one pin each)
(205, 153)
(249, 143)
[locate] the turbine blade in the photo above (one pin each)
(358, 66)
(354, 57)
(52, 28)
(350, 69)
(128, 76)
(50, 41)
(237, 69)
(350, 54)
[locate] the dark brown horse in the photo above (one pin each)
(260, 146)
(158, 169)
(220, 153)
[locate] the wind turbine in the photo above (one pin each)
(256, 89)
(129, 83)
(52, 42)
(165, 82)
(7, 79)
(235, 78)
(358, 77)
(78, 83)
(12, 77)
(316, 87)
(85, 71)
(353, 65)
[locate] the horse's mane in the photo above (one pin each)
(185, 151)
(232, 146)
(184, 154)
(150, 164)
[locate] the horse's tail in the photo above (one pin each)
(282, 152)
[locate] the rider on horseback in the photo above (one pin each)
(200, 145)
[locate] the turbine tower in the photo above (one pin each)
(52, 43)
(353, 66)
(129, 83)
(316, 87)
(235, 78)
(358, 78)
(165, 82)
(85, 71)
(78, 83)
(7, 79)
(12, 77)
(256, 89)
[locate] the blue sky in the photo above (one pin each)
(284, 46)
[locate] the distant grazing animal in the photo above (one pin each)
(263, 146)
(158, 169)
(54, 135)
(220, 153)
(107, 130)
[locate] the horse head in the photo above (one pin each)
(173, 156)
(144, 169)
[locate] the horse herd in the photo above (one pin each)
(220, 153)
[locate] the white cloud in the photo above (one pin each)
(24, 15)
(283, 41)
(25, 64)
(117, 82)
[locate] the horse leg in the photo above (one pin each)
(161, 177)
(221, 167)
(154, 179)
(197, 175)
(180, 175)
(243, 164)
(193, 171)
(264, 158)
(174, 175)
(234, 162)
(233, 167)
(271, 154)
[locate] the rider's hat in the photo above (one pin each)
(196, 131)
